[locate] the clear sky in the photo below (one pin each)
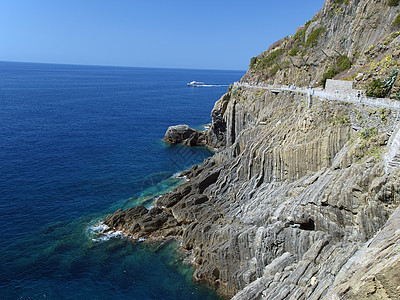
(203, 34)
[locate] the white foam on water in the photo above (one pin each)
(103, 237)
(176, 175)
(98, 227)
(96, 233)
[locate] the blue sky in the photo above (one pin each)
(147, 33)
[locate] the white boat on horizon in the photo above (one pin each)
(195, 83)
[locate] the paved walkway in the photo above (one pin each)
(345, 97)
(392, 157)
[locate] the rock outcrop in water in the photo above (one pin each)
(296, 204)
(185, 135)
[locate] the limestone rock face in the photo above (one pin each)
(373, 271)
(184, 134)
(280, 211)
(362, 30)
(216, 135)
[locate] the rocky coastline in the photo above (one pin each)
(296, 203)
(296, 192)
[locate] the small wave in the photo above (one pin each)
(177, 175)
(103, 237)
(96, 233)
(211, 85)
(98, 227)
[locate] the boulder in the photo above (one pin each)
(184, 134)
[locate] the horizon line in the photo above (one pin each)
(116, 66)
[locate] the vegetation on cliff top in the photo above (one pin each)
(321, 50)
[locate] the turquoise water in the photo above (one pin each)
(77, 143)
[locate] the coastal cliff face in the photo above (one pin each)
(352, 39)
(296, 203)
(297, 190)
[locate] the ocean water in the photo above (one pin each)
(77, 143)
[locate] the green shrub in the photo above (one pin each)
(253, 61)
(294, 51)
(343, 63)
(300, 35)
(272, 57)
(394, 35)
(396, 22)
(274, 70)
(376, 89)
(314, 36)
(393, 2)
(368, 133)
(332, 72)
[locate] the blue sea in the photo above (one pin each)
(76, 144)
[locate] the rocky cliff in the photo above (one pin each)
(296, 203)
(347, 39)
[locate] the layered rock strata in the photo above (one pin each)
(281, 209)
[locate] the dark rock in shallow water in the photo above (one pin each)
(170, 199)
(155, 220)
(121, 218)
(184, 134)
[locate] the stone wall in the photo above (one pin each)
(340, 86)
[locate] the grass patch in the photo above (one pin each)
(368, 133)
(294, 51)
(343, 119)
(393, 2)
(312, 39)
(332, 72)
(396, 22)
(376, 89)
(300, 35)
(343, 63)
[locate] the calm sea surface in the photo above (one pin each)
(77, 143)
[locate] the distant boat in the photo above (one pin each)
(195, 83)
